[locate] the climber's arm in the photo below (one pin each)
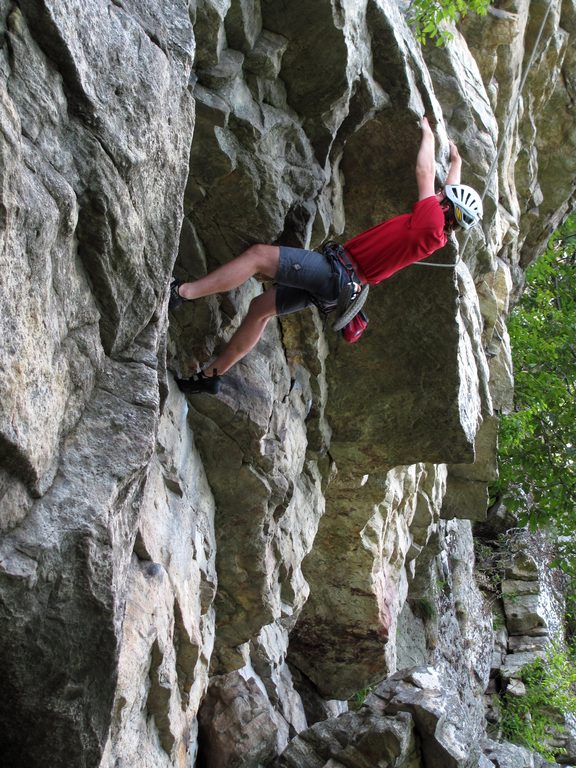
(426, 162)
(455, 165)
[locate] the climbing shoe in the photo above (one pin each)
(200, 383)
(175, 299)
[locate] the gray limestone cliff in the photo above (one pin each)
(209, 581)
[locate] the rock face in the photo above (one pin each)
(94, 97)
(207, 582)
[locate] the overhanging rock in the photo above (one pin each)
(411, 391)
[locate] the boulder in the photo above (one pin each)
(354, 740)
(414, 700)
(504, 755)
(238, 727)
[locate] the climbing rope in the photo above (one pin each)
(511, 116)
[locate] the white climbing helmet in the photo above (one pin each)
(467, 204)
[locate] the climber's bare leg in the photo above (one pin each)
(262, 308)
(258, 259)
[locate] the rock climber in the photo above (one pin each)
(302, 277)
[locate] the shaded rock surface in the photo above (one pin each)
(208, 582)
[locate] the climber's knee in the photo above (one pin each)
(263, 307)
(264, 258)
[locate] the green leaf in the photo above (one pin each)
(428, 17)
(537, 442)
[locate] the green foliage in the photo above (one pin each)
(423, 608)
(536, 719)
(358, 699)
(498, 622)
(538, 440)
(430, 18)
(538, 471)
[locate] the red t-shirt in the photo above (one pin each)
(397, 242)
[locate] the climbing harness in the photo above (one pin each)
(511, 116)
(350, 319)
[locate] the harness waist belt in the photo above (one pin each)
(349, 262)
(336, 251)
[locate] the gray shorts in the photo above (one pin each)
(305, 278)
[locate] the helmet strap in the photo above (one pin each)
(450, 222)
